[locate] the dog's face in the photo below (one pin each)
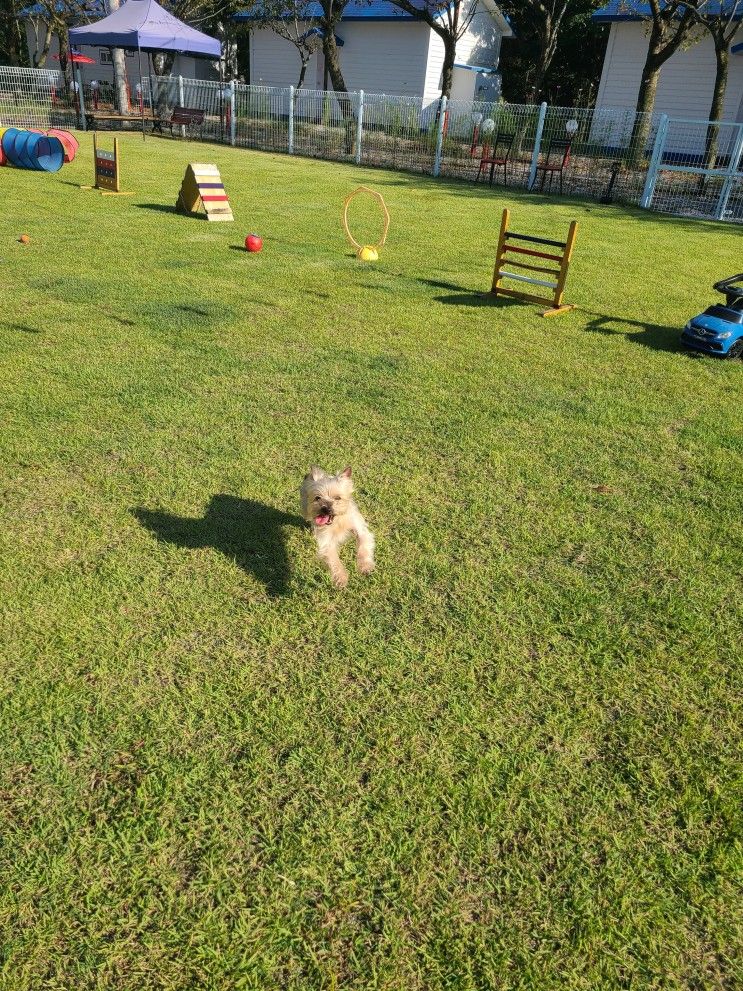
(326, 497)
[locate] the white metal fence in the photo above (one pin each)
(692, 168)
(696, 169)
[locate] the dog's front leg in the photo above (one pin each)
(328, 543)
(337, 572)
(364, 549)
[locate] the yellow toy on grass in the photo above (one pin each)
(366, 252)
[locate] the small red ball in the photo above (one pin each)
(253, 242)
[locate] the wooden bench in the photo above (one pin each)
(133, 118)
(187, 117)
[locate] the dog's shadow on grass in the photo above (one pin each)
(248, 532)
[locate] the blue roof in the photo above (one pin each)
(639, 10)
(355, 10)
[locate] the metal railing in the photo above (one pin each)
(692, 168)
(696, 169)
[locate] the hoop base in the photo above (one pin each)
(368, 253)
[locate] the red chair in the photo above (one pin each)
(497, 155)
(555, 163)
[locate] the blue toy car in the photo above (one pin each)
(719, 330)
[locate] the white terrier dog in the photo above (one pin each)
(328, 505)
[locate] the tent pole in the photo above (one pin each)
(141, 88)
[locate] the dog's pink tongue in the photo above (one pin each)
(322, 519)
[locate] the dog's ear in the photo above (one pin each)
(346, 473)
(315, 473)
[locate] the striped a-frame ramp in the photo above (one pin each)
(202, 189)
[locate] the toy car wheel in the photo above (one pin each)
(736, 350)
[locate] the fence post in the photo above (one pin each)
(180, 102)
(440, 137)
(83, 122)
(537, 145)
(291, 120)
(233, 122)
(655, 159)
(359, 125)
(730, 177)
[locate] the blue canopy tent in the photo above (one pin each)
(145, 26)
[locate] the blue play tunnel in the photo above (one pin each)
(31, 150)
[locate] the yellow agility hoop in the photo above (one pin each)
(366, 252)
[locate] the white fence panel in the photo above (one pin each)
(606, 154)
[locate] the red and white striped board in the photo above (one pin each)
(202, 189)
(560, 261)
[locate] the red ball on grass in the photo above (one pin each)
(253, 242)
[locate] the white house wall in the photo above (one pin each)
(376, 57)
(384, 57)
(434, 67)
(275, 62)
(686, 80)
(463, 85)
(480, 44)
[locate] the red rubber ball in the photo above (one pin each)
(253, 242)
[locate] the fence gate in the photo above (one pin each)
(696, 169)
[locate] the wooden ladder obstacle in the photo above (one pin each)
(504, 257)
(107, 170)
(203, 189)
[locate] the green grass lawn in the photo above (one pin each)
(510, 759)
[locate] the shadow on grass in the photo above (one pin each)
(649, 335)
(468, 297)
(24, 328)
(160, 208)
(246, 531)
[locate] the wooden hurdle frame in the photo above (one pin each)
(505, 249)
(106, 166)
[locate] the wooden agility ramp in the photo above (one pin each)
(202, 190)
(558, 268)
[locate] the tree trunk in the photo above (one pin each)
(64, 60)
(645, 104)
(14, 33)
(42, 54)
(447, 70)
(119, 66)
(333, 68)
(332, 60)
(718, 106)
(302, 71)
(721, 81)
(544, 60)
(162, 63)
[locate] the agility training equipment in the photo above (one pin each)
(69, 143)
(203, 189)
(366, 252)
(506, 250)
(107, 173)
(34, 150)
